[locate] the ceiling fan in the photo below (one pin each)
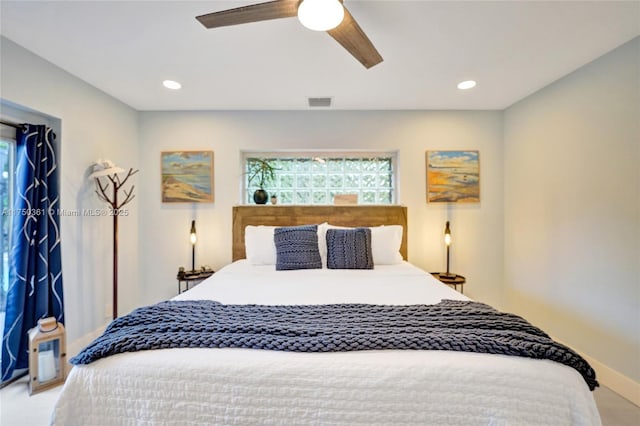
(320, 15)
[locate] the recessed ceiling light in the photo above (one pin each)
(464, 85)
(170, 84)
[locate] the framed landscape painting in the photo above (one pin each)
(187, 176)
(453, 177)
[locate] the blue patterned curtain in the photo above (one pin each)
(35, 289)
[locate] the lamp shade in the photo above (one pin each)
(320, 15)
(447, 234)
(193, 238)
(192, 235)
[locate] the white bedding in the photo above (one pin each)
(248, 386)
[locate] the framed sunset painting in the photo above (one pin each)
(453, 177)
(187, 176)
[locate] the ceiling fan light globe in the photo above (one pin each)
(320, 15)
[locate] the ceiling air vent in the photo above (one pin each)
(319, 102)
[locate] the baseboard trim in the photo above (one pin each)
(616, 381)
(624, 386)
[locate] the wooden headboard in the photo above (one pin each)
(303, 215)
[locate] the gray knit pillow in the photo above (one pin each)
(297, 248)
(349, 249)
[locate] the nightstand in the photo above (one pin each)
(453, 280)
(192, 278)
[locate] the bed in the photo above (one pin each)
(250, 386)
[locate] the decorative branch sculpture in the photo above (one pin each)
(117, 184)
(106, 169)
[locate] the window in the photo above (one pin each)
(7, 153)
(315, 177)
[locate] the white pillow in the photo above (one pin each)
(322, 243)
(385, 244)
(259, 245)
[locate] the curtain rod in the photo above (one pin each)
(18, 126)
(10, 124)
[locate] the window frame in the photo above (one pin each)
(311, 154)
(11, 161)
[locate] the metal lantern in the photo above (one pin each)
(47, 355)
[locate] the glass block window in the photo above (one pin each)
(314, 178)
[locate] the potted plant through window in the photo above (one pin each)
(261, 173)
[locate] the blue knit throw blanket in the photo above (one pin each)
(449, 325)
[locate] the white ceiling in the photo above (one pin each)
(512, 48)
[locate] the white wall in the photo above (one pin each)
(477, 229)
(94, 125)
(572, 209)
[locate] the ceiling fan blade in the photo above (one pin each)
(351, 37)
(252, 13)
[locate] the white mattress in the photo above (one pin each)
(247, 386)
